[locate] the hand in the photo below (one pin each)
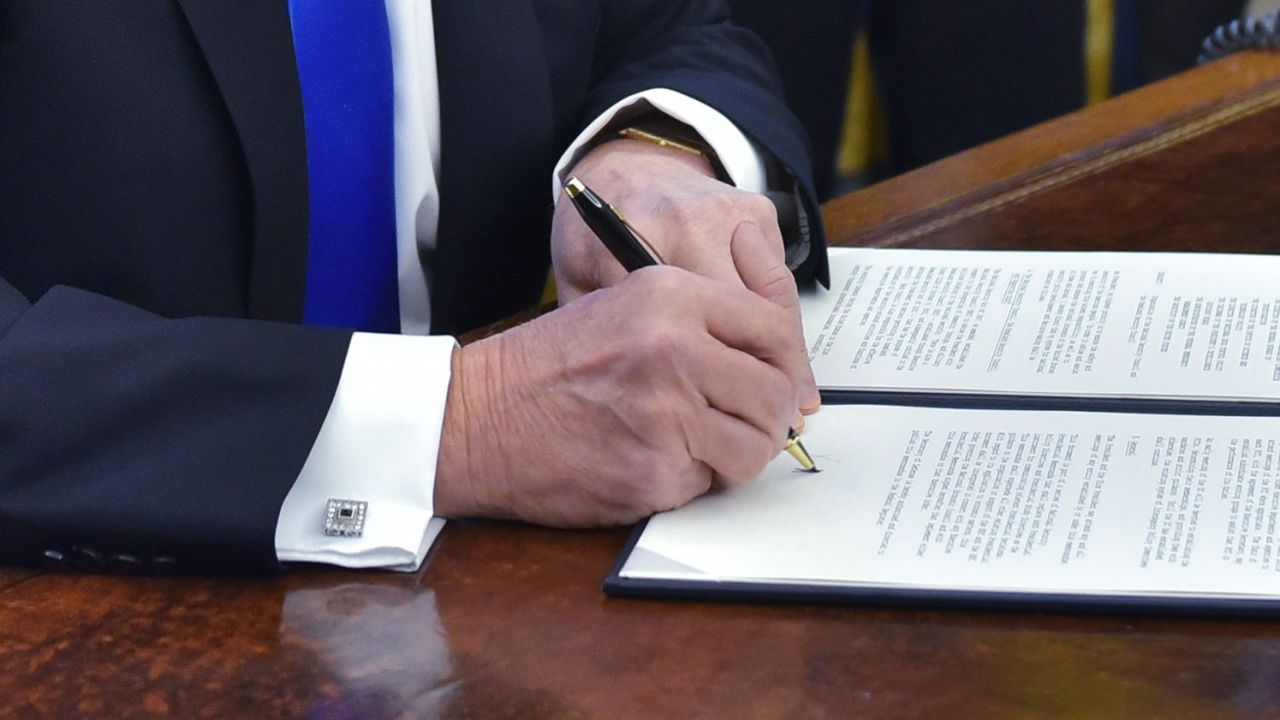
(628, 402)
(693, 220)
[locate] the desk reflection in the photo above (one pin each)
(510, 623)
(383, 649)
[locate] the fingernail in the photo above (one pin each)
(797, 423)
(811, 401)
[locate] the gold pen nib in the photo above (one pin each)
(797, 451)
(573, 187)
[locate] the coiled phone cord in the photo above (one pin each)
(1260, 33)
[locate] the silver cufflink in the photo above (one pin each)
(345, 518)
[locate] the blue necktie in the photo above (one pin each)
(343, 51)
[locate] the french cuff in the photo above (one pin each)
(378, 445)
(741, 157)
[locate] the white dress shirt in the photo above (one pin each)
(380, 439)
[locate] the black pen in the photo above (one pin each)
(634, 252)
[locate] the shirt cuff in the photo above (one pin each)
(378, 444)
(741, 157)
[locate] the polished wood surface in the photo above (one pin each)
(1198, 146)
(508, 621)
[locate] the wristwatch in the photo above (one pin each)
(666, 132)
(677, 136)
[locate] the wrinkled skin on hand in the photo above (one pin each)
(644, 390)
(694, 221)
(632, 400)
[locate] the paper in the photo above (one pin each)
(1040, 323)
(1000, 500)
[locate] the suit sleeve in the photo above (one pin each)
(693, 48)
(132, 442)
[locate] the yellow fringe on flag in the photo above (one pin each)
(1099, 49)
(862, 137)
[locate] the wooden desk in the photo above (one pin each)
(507, 621)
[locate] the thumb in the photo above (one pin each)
(761, 263)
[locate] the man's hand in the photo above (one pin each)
(693, 220)
(628, 402)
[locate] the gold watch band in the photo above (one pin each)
(692, 145)
(635, 133)
(666, 132)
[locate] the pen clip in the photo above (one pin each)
(622, 238)
(644, 243)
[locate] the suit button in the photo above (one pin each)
(89, 559)
(125, 563)
(164, 565)
(53, 558)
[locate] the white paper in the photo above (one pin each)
(1021, 501)
(1049, 323)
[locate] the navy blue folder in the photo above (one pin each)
(617, 585)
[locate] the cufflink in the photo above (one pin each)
(344, 518)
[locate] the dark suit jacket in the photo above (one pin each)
(152, 164)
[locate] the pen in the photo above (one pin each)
(634, 252)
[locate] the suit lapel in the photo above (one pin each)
(496, 130)
(496, 122)
(248, 45)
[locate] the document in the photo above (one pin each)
(1046, 428)
(1158, 325)
(999, 503)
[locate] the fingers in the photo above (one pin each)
(743, 320)
(736, 450)
(747, 388)
(741, 361)
(685, 484)
(760, 260)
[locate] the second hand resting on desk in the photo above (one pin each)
(634, 252)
